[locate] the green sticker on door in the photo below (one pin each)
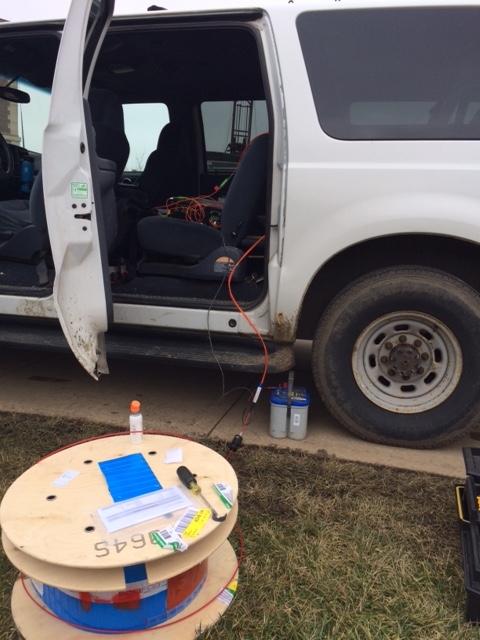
(79, 190)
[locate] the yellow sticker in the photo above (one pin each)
(233, 586)
(226, 595)
(200, 519)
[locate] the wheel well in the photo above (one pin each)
(457, 257)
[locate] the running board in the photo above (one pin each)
(231, 353)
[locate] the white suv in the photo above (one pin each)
(218, 180)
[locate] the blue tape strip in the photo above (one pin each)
(129, 477)
(134, 573)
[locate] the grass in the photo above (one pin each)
(333, 550)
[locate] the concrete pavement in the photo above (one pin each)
(189, 401)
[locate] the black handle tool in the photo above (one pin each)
(189, 480)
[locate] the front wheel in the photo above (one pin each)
(396, 357)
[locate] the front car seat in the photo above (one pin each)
(23, 225)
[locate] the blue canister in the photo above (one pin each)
(293, 423)
(26, 177)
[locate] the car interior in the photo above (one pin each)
(191, 188)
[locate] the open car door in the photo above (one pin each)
(71, 185)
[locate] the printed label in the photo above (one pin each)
(226, 596)
(183, 522)
(168, 539)
(79, 190)
(199, 520)
(65, 478)
(173, 456)
(225, 493)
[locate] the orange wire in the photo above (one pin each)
(193, 209)
(242, 312)
(214, 203)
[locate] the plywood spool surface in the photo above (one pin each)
(55, 531)
(114, 579)
(64, 577)
(34, 623)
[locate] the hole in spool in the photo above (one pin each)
(152, 453)
(50, 498)
(89, 529)
(87, 461)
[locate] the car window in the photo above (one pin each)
(32, 118)
(228, 127)
(395, 73)
(143, 124)
(22, 125)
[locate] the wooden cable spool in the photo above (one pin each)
(98, 583)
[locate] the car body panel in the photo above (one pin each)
(79, 290)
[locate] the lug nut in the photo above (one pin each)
(402, 339)
(388, 345)
(417, 343)
(384, 359)
(425, 356)
(391, 373)
(421, 370)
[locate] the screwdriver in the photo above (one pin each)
(189, 480)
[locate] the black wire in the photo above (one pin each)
(210, 334)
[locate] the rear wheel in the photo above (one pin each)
(396, 357)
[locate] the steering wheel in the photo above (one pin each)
(6, 159)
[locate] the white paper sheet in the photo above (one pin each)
(151, 505)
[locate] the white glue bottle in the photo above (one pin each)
(136, 423)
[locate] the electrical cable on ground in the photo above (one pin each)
(209, 333)
(248, 412)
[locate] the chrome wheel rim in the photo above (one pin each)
(407, 362)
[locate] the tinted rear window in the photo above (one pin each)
(380, 74)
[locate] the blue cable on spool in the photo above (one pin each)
(140, 606)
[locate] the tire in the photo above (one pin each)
(396, 357)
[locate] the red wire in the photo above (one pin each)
(109, 435)
(193, 209)
(242, 312)
(257, 332)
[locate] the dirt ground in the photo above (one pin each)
(189, 401)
